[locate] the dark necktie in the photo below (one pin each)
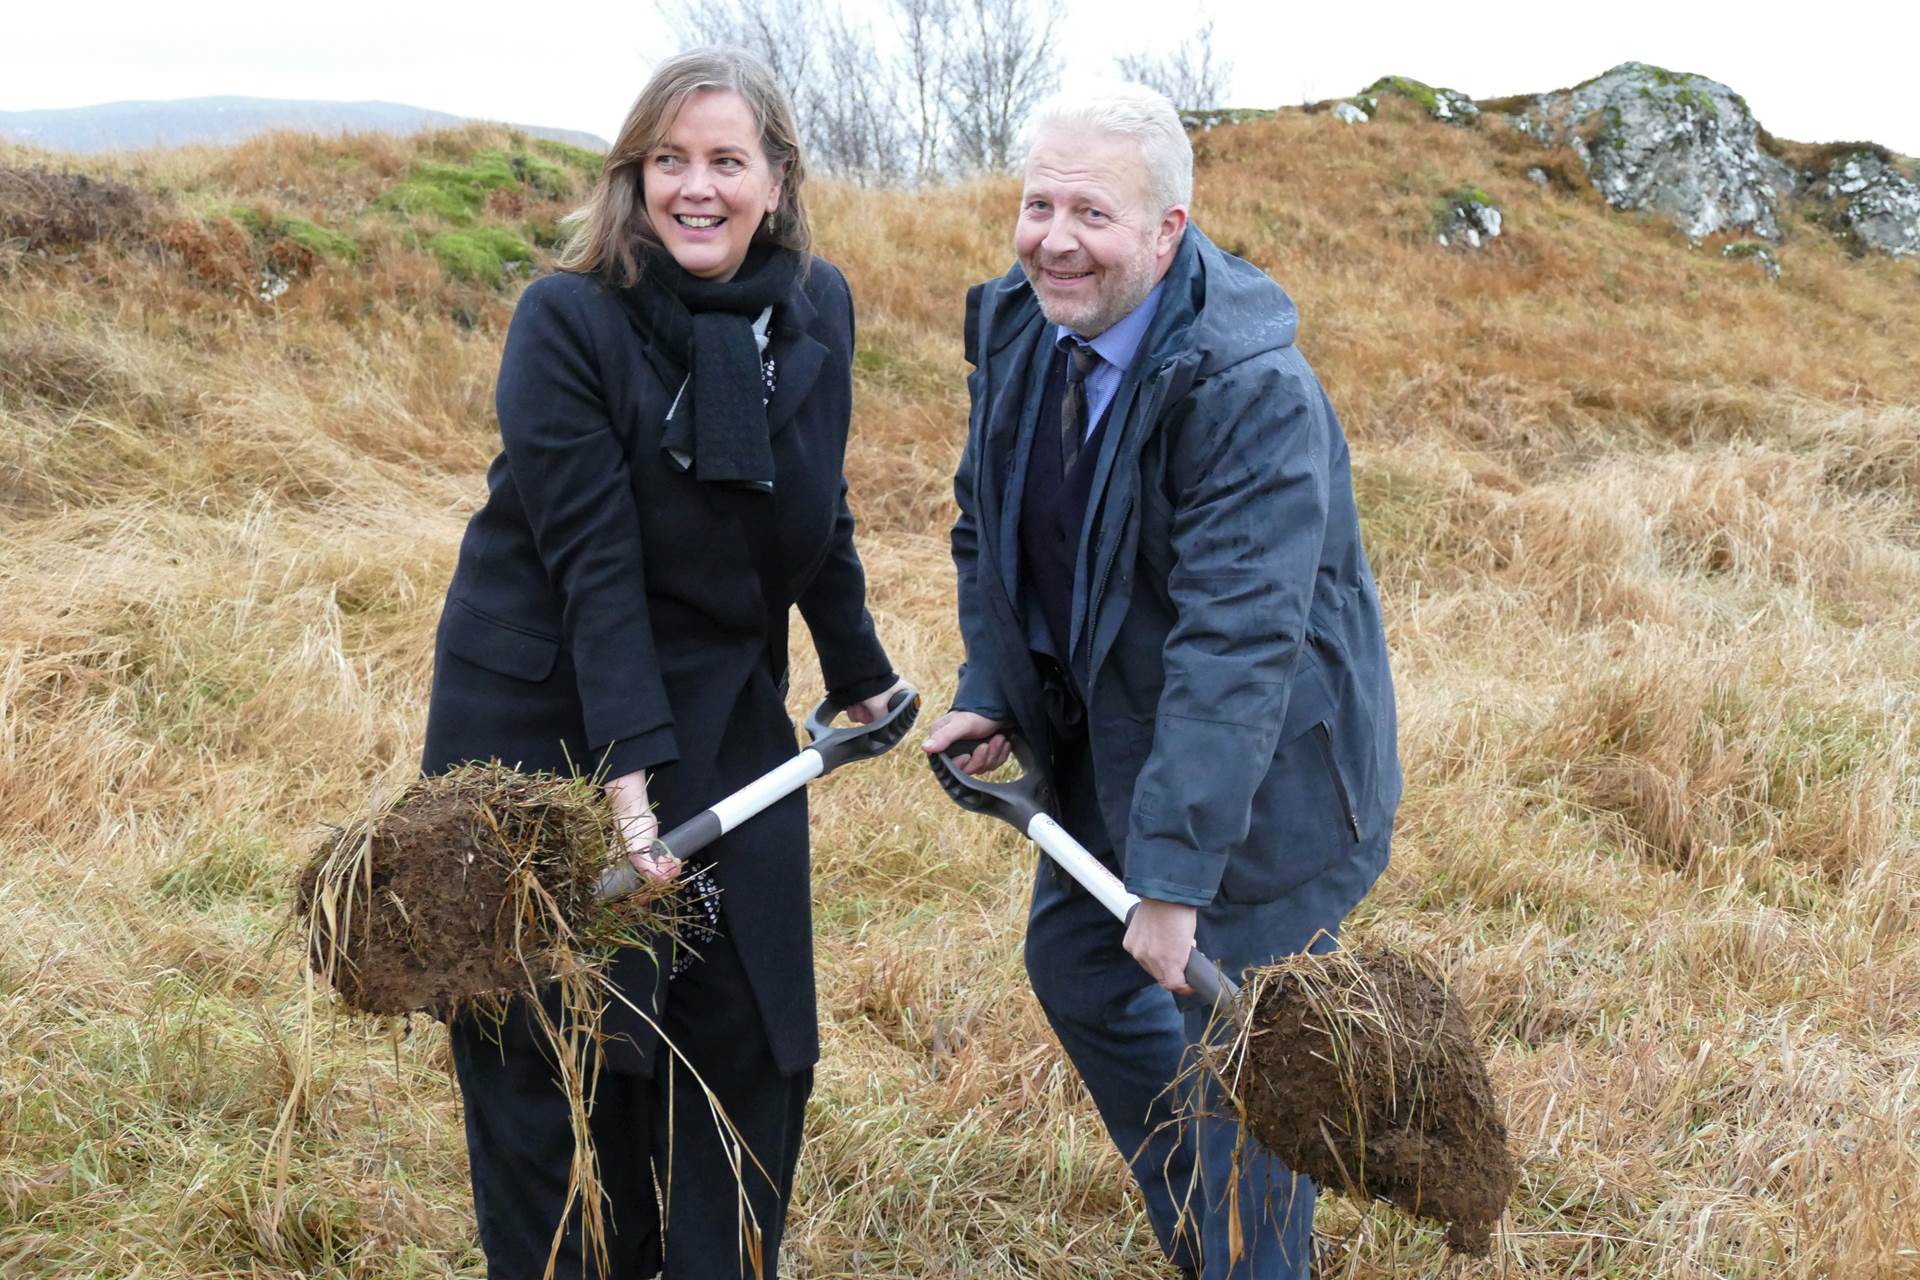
(1073, 405)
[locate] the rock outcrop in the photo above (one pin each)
(1468, 219)
(1879, 204)
(1680, 145)
(1449, 106)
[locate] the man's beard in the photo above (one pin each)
(1124, 286)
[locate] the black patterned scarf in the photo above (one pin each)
(717, 425)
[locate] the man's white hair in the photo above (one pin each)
(1127, 111)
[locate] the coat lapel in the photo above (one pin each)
(797, 359)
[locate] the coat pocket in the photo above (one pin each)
(497, 646)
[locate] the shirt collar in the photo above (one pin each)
(1121, 342)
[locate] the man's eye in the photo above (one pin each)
(1095, 215)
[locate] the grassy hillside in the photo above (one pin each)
(1647, 528)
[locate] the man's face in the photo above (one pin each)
(1089, 237)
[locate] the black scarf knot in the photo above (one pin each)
(717, 424)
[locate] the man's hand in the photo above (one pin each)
(638, 827)
(955, 725)
(1160, 937)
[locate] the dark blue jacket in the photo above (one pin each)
(606, 611)
(1225, 623)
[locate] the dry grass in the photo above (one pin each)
(1648, 531)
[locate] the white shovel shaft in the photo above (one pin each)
(1082, 866)
(764, 790)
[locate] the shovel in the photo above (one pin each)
(828, 749)
(1021, 804)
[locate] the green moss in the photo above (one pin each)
(1406, 87)
(319, 240)
(453, 193)
(1746, 249)
(580, 160)
(484, 254)
(1469, 195)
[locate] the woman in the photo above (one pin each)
(674, 408)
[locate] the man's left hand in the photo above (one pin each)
(1160, 937)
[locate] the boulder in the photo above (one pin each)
(1671, 143)
(1758, 252)
(1448, 105)
(1347, 113)
(1879, 204)
(1468, 219)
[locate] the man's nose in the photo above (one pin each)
(1059, 238)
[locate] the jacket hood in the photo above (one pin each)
(1221, 308)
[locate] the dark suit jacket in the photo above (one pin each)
(1224, 619)
(606, 612)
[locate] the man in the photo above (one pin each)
(1162, 587)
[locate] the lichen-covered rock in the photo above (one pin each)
(1881, 205)
(1671, 143)
(1347, 113)
(1468, 219)
(1449, 105)
(1758, 252)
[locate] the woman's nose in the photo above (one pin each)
(698, 181)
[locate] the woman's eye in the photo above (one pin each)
(666, 162)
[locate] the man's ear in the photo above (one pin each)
(1172, 223)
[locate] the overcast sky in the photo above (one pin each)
(1815, 75)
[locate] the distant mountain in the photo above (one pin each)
(128, 126)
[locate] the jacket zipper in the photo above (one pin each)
(1325, 738)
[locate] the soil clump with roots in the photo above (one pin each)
(473, 885)
(1359, 1069)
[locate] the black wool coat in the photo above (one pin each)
(606, 613)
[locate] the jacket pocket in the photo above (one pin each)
(1302, 822)
(497, 646)
(1324, 736)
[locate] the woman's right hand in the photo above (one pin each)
(956, 725)
(639, 829)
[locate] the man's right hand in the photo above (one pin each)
(955, 725)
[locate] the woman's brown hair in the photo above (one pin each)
(611, 228)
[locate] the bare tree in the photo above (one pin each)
(846, 97)
(1189, 76)
(858, 131)
(1005, 64)
(926, 69)
(780, 31)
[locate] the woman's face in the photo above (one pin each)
(709, 184)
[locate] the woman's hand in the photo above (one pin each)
(638, 827)
(873, 708)
(955, 725)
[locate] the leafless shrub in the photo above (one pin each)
(48, 209)
(1189, 75)
(1005, 66)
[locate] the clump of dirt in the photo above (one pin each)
(473, 885)
(1358, 1068)
(49, 209)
